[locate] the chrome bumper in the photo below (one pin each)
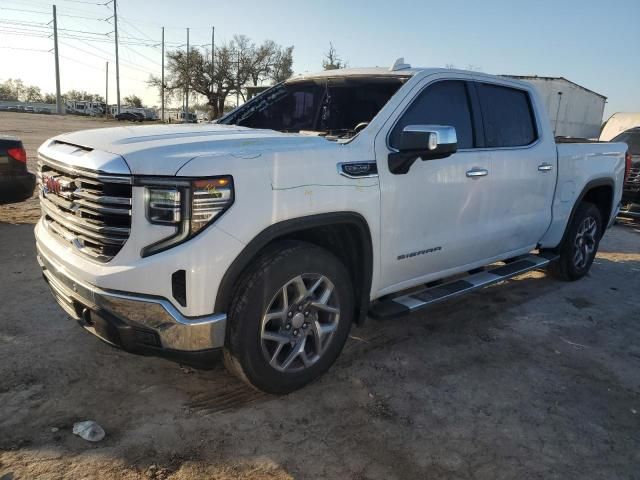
(156, 322)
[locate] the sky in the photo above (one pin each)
(594, 44)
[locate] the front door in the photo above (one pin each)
(433, 217)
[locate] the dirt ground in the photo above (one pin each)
(533, 378)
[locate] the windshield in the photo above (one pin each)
(332, 107)
(632, 139)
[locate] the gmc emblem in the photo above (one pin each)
(51, 185)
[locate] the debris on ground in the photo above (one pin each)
(89, 431)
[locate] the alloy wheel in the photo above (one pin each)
(585, 242)
(300, 322)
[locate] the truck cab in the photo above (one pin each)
(322, 201)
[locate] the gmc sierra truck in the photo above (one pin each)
(325, 200)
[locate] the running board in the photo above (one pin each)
(408, 303)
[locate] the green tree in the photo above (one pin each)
(12, 90)
(133, 101)
(78, 95)
(32, 93)
(7, 92)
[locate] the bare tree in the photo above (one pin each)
(282, 67)
(238, 63)
(331, 59)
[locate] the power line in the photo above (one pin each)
(25, 49)
(44, 4)
(49, 27)
(103, 38)
(49, 14)
(108, 58)
(70, 1)
(137, 29)
(100, 68)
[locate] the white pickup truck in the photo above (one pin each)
(324, 200)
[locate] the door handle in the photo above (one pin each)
(477, 172)
(545, 167)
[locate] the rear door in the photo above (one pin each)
(524, 166)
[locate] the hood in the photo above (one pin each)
(164, 149)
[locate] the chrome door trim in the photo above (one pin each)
(545, 167)
(477, 172)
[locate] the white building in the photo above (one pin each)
(618, 123)
(574, 111)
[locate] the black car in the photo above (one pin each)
(631, 191)
(130, 116)
(16, 183)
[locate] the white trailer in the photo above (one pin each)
(573, 110)
(618, 123)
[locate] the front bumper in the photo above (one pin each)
(137, 323)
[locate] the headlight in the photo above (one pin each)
(163, 205)
(189, 205)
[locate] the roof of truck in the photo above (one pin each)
(360, 72)
(400, 72)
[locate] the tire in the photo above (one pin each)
(579, 248)
(279, 338)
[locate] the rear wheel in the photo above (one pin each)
(579, 248)
(290, 318)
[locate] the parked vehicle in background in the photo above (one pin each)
(325, 199)
(16, 183)
(190, 117)
(130, 116)
(631, 192)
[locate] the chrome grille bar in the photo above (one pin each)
(87, 208)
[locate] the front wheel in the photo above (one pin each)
(579, 248)
(290, 318)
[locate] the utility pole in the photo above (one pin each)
(238, 82)
(213, 70)
(555, 126)
(115, 23)
(55, 48)
(186, 98)
(162, 81)
(106, 91)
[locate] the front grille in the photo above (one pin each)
(633, 180)
(90, 209)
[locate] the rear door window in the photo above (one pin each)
(507, 116)
(443, 103)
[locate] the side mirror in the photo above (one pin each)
(427, 142)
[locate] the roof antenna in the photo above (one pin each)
(399, 65)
